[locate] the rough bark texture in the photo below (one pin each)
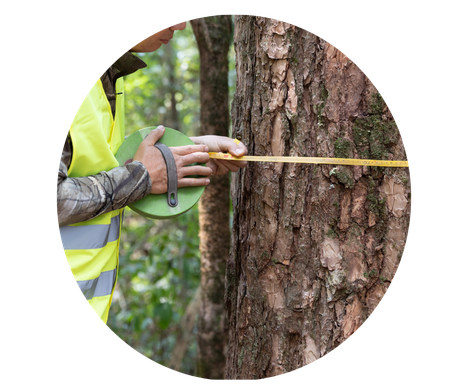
(314, 247)
(213, 36)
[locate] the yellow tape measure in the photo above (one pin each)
(328, 161)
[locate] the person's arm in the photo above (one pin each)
(83, 198)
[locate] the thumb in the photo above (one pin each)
(154, 136)
(236, 148)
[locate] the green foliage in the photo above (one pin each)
(171, 77)
(159, 272)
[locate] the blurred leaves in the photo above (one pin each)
(159, 273)
(170, 79)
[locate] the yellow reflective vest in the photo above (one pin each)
(92, 247)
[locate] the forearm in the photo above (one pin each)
(83, 198)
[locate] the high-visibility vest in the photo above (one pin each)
(92, 247)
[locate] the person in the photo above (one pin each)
(92, 188)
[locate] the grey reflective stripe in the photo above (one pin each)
(100, 286)
(90, 237)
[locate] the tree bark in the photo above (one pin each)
(213, 37)
(314, 247)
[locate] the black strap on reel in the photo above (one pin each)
(172, 200)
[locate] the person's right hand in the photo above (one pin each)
(154, 162)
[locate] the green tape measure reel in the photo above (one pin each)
(157, 206)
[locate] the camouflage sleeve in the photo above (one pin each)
(82, 198)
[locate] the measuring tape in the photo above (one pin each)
(328, 161)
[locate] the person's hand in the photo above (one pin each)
(154, 162)
(222, 144)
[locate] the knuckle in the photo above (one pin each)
(195, 149)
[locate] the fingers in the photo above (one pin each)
(194, 155)
(154, 136)
(221, 144)
(237, 149)
(227, 166)
(184, 182)
(190, 149)
(186, 155)
(224, 144)
(192, 171)
(195, 171)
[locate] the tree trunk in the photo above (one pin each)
(314, 247)
(171, 120)
(213, 36)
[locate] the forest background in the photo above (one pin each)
(160, 260)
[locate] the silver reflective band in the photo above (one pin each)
(90, 237)
(100, 286)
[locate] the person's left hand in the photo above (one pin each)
(222, 144)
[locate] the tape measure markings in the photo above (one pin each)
(316, 160)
